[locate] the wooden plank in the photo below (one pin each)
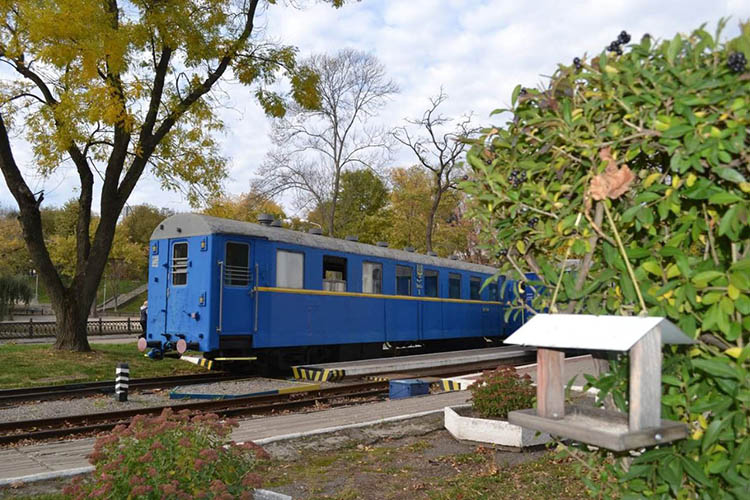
(645, 381)
(599, 427)
(550, 392)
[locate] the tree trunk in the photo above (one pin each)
(437, 195)
(71, 314)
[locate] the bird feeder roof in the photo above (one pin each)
(583, 331)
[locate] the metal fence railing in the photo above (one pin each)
(32, 329)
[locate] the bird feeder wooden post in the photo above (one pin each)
(641, 338)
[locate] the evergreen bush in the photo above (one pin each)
(624, 185)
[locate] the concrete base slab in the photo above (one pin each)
(491, 431)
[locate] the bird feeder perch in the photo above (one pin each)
(641, 338)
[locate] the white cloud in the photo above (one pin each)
(477, 50)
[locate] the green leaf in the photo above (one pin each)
(673, 49)
(706, 277)
(712, 432)
(729, 174)
(694, 470)
(724, 198)
(652, 266)
(716, 368)
(677, 131)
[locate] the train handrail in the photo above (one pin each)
(221, 295)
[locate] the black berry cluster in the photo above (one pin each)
(577, 63)
(737, 62)
(622, 39)
(523, 91)
(502, 252)
(516, 178)
(532, 222)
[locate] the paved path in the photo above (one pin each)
(64, 458)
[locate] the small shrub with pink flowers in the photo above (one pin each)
(172, 456)
(500, 391)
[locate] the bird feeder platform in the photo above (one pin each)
(641, 338)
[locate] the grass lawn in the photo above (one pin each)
(27, 365)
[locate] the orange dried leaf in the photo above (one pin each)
(613, 182)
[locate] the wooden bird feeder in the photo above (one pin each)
(641, 338)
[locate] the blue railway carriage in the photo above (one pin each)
(230, 288)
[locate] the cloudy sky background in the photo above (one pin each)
(476, 50)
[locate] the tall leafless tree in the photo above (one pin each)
(313, 148)
(437, 144)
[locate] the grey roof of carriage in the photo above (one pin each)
(184, 225)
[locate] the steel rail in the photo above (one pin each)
(51, 392)
(12, 432)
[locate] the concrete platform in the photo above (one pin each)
(335, 371)
(574, 367)
(67, 458)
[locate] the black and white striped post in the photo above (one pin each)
(122, 376)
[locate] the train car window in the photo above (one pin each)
(290, 269)
(430, 283)
(475, 284)
(179, 263)
(403, 280)
(334, 273)
(372, 277)
(493, 291)
(454, 286)
(237, 264)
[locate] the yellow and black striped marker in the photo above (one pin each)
(317, 374)
(451, 385)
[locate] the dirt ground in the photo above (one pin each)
(414, 459)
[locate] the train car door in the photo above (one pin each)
(178, 282)
(235, 299)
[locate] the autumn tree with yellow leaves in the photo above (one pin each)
(108, 89)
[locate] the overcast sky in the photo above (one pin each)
(476, 50)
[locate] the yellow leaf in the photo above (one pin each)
(672, 271)
(675, 181)
(697, 434)
(694, 352)
(691, 178)
(521, 247)
(610, 69)
(745, 187)
(702, 421)
(651, 179)
(733, 352)
(733, 292)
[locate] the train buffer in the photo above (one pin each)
(399, 364)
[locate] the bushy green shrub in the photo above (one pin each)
(654, 136)
(500, 391)
(172, 456)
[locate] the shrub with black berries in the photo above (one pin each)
(737, 62)
(670, 123)
(577, 63)
(533, 222)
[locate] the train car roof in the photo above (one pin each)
(185, 225)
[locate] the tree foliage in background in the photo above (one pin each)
(245, 207)
(678, 116)
(13, 289)
(438, 142)
(111, 89)
(314, 147)
(411, 204)
(140, 221)
(362, 207)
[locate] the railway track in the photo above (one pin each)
(344, 394)
(48, 428)
(52, 392)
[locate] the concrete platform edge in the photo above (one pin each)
(327, 430)
(42, 476)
